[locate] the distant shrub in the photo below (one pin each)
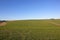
(52, 19)
(3, 21)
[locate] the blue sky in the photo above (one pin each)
(29, 9)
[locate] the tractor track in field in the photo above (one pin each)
(57, 24)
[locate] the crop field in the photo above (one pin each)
(31, 30)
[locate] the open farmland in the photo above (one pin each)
(30, 30)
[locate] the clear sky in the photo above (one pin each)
(29, 9)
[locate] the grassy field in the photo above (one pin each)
(30, 30)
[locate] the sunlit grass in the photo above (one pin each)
(30, 30)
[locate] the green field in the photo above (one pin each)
(30, 30)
